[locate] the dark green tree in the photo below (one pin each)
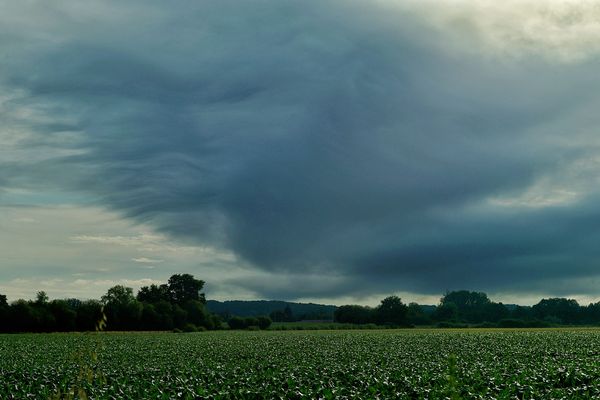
(264, 322)
(153, 293)
(470, 305)
(89, 313)
(559, 310)
(184, 287)
(391, 311)
(64, 316)
(197, 314)
(416, 316)
(118, 294)
(3, 301)
(521, 313)
(494, 312)
(22, 317)
(237, 323)
(41, 297)
(591, 313)
(446, 312)
(123, 311)
(354, 314)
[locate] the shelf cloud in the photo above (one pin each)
(383, 146)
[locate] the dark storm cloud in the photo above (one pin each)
(316, 138)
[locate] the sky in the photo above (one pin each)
(334, 151)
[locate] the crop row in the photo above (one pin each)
(304, 365)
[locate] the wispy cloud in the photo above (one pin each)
(116, 240)
(145, 260)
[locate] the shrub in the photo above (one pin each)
(250, 321)
(264, 322)
(236, 323)
(190, 328)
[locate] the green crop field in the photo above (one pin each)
(386, 364)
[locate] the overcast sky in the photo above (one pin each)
(329, 150)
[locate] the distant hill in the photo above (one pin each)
(428, 309)
(244, 308)
(511, 307)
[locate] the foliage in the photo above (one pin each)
(354, 314)
(153, 294)
(264, 322)
(163, 307)
(391, 311)
(377, 364)
(180, 301)
(260, 322)
(248, 308)
(285, 315)
(184, 287)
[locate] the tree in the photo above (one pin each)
(22, 317)
(522, 313)
(565, 310)
(354, 314)
(123, 311)
(89, 313)
(591, 313)
(415, 315)
(4, 314)
(41, 297)
(236, 323)
(251, 321)
(494, 312)
(391, 311)
(470, 305)
(64, 316)
(264, 322)
(197, 314)
(172, 305)
(184, 287)
(3, 301)
(153, 293)
(118, 295)
(446, 312)
(150, 319)
(164, 309)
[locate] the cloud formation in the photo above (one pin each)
(351, 147)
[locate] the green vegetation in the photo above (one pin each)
(462, 309)
(411, 364)
(177, 304)
(180, 305)
(277, 310)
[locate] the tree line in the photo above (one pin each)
(178, 304)
(468, 308)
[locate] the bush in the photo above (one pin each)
(190, 328)
(511, 323)
(446, 324)
(250, 321)
(264, 322)
(253, 328)
(236, 323)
